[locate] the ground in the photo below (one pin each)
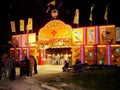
(48, 78)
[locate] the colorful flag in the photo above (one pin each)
(51, 3)
(47, 9)
(90, 18)
(13, 26)
(106, 13)
(76, 17)
(21, 25)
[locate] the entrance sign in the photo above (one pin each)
(55, 33)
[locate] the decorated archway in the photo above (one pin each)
(55, 34)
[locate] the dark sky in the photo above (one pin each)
(23, 9)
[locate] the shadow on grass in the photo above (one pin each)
(96, 80)
(90, 80)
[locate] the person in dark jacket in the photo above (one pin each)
(65, 67)
(12, 68)
(35, 66)
(1, 67)
(27, 67)
(22, 67)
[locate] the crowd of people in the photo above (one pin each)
(28, 66)
(7, 66)
(67, 65)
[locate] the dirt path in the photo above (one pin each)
(46, 79)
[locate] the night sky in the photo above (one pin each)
(14, 10)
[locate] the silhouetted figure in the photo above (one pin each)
(12, 68)
(1, 67)
(65, 67)
(27, 67)
(77, 61)
(35, 66)
(22, 67)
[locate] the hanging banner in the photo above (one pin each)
(76, 17)
(90, 18)
(107, 34)
(91, 35)
(77, 36)
(29, 25)
(21, 25)
(118, 34)
(106, 13)
(51, 3)
(13, 26)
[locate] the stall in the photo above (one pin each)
(58, 42)
(23, 44)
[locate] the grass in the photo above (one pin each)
(92, 80)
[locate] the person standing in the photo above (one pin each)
(31, 65)
(35, 65)
(12, 68)
(27, 67)
(6, 64)
(22, 67)
(1, 67)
